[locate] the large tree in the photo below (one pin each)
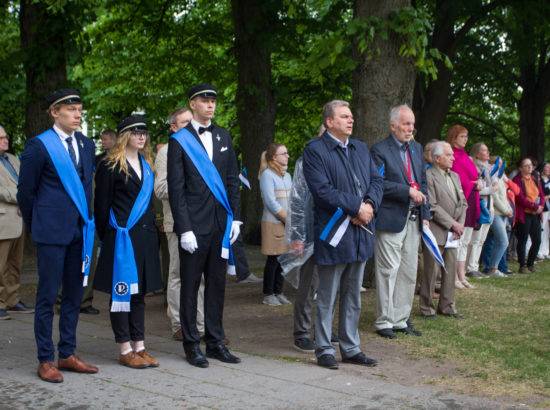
(254, 22)
(382, 78)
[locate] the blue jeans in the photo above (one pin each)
(487, 252)
(500, 240)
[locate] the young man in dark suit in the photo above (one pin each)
(200, 221)
(56, 225)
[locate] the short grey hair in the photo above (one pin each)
(3, 129)
(328, 109)
(437, 149)
(177, 112)
(396, 111)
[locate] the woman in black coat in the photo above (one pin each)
(119, 179)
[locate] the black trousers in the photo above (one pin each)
(130, 325)
(273, 279)
(239, 257)
(206, 259)
(530, 227)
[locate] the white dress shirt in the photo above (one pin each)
(205, 137)
(63, 137)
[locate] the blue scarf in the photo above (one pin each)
(73, 186)
(212, 178)
(124, 263)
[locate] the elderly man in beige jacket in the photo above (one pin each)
(448, 204)
(11, 233)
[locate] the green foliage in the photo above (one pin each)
(12, 86)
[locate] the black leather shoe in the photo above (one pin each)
(430, 317)
(361, 360)
(328, 361)
(221, 353)
(89, 310)
(387, 333)
(195, 357)
(409, 331)
(410, 324)
(457, 316)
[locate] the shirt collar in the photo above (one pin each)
(196, 125)
(63, 135)
(338, 141)
(399, 143)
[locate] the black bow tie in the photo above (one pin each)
(209, 129)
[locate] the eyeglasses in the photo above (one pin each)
(284, 153)
(139, 134)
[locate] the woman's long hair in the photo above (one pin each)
(117, 155)
(267, 157)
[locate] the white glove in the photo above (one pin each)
(235, 231)
(188, 242)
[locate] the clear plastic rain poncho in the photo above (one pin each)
(299, 226)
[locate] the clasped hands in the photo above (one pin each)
(188, 240)
(365, 214)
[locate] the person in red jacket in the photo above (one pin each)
(529, 207)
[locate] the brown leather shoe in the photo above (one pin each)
(178, 335)
(48, 372)
(74, 364)
(133, 360)
(144, 354)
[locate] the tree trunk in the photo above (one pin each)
(532, 108)
(43, 41)
(254, 21)
(384, 81)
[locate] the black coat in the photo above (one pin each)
(193, 205)
(114, 190)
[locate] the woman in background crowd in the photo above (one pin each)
(544, 170)
(129, 265)
(529, 206)
(480, 155)
(275, 185)
(457, 136)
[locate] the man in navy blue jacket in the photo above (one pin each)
(55, 223)
(403, 212)
(347, 191)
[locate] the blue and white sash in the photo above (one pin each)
(73, 186)
(212, 179)
(125, 275)
(336, 228)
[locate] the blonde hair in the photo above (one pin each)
(267, 156)
(117, 155)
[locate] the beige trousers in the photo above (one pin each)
(395, 264)
(11, 259)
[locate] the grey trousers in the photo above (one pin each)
(309, 281)
(348, 277)
(395, 262)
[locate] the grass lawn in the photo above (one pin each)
(502, 345)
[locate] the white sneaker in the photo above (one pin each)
(271, 300)
(283, 299)
(498, 274)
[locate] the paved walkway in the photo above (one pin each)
(257, 382)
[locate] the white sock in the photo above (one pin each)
(139, 349)
(124, 353)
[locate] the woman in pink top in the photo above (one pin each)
(463, 165)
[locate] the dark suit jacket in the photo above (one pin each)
(114, 190)
(392, 215)
(48, 211)
(194, 208)
(446, 209)
(329, 176)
